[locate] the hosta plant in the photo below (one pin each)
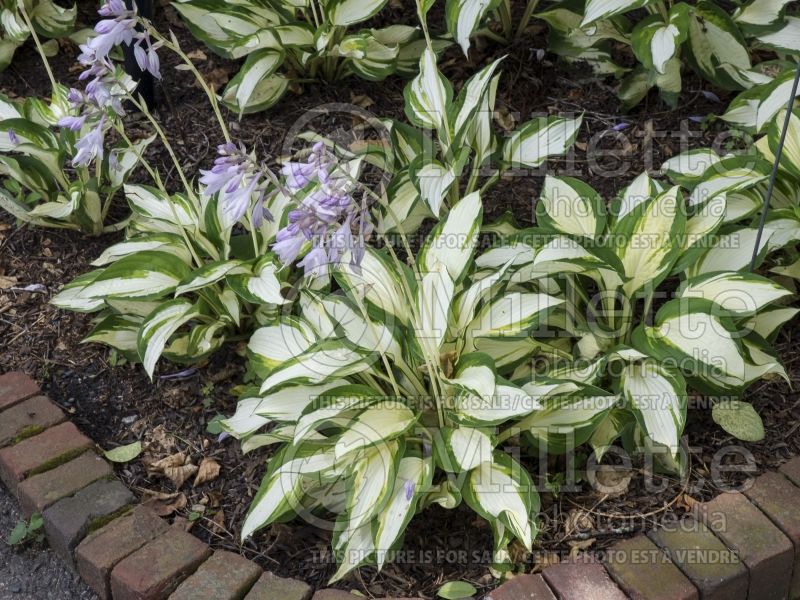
(39, 187)
(288, 41)
(44, 17)
(492, 19)
(718, 45)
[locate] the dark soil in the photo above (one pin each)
(117, 404)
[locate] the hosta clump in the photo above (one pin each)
(41, 186)
(47, 19)
(286, 41)
(386, 387)
(717, 45)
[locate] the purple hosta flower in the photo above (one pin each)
(75, 123)
(327, 216)
(12, 137)
(708, 95)
(409, 488)
(90, 146)
(237, 177)
(621, 126)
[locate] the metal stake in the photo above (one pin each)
(778, 153)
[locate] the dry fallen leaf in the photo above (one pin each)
(685, 502)
(164, 504)
(218, 522)
(174, 460)
(7, 282)
(197, 54)
(577, 546)
(361, 100)
(208, 471)
(578, 520)
(175, 468)
(611, 481)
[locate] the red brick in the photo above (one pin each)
(28, 418)
(97, 555)
(40, 491)
(522, 587)
(69, 520)
(15, 387)
(644, 572)
(792, 470)
(157, 568)
(581, 580)
(41, 453)
(714, 569)
(777, 497)
(767, 553)
(271, 586)
(224, 576)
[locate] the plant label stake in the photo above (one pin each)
(773, 176)
(144, 80)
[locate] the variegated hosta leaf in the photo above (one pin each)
(260, 287)
(688, 168)
(272, 346)
(537, 140)
(506, 402)
(604, 9)
(379, 281)
(150, 203)
(715, 40)
(379, 422)
(754, 109)
(286, 405)
(466, 448)
(280, 490)
(731, 252)
(463, 18)
(405, 211)
(471, 98)
(790, 156)
(501, 489)
(689, 335)
(318, 364)
(52, 20)
(434, 299)
(118, 331)
(159, 327)
(570, 206)
(567, 418)
(428, 95)
(246, 90)
(413, 477)
(452, 242)
(650, 238)
(206, 275)
(358, 329)
(511, 315)
(655, 42)
(728, 175)
(761, 13)
(640, 190)
(785, 39)
(657, 397)
(377, 61)
(434, 181)
(767, 323)
(145, 275)
(350, 12)
(738, 292)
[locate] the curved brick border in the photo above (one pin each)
(735, 547)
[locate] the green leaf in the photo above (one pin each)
(18, 534)
(349, 12)
(463, 18)
(739, 419)
(570, 206)
(123, 454)
(452, 242)
(535, 141)
(454, 590)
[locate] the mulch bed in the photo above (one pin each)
(117, 404)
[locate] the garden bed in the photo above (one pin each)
(117, 404)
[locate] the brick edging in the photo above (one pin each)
(737, 546)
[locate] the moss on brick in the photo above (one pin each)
(56, 461)
(101, 522)
(29, 431)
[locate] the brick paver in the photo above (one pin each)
(581, 580)
(522, 587)
(714, 569)
(792, 470)
(40, 453)
(69, 520)
(271, 586)
(97, 555)
(15, 387)
(645, 572)
(779, 499)
(154, 571)
(224, 576)
(28, 418)
(40, 491)
(766, 551)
